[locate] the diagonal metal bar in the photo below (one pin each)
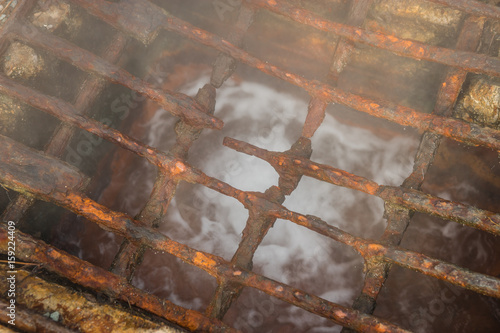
(124, 225)
(23, 167)
(256, 228)
(470, 61)
(96, 278)
(58, 142)
(172, 167)
(317, 107)
(456, 129)
(439, 269)
(259, 223)
(398, 218)
(67, 113)
(177, 104)
(409, 198)
(130, 255)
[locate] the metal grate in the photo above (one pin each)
(42, 175)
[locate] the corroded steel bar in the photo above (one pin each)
(66, 112)
(449, 210)
(17, 207)
(472, 62)
(22, 167)
(130, 255)
(256, 228)
(86, 97)
(315, 116)
(215, 265)
(412, 199)
(124, 225)
(58, 142)
(284, 163)
(449, 90)
(342, 315)
(459, 276)
(225, 65)
(472, 7)
(398, 218)
(96, 278)
(453, 128)
(317, 107)
(257, 224)
(357, 15)
(176, 103)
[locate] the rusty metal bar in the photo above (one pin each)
(96, 278)
(317, 107)
(225, 65)
(289, 165)
(456, 275)
(357, 15)
(124, 225)
(367, 248)
(216, 266)
(456, 129)
(451, 273)
(256, 228)
(177, 104)
(130, 255)
(212, 264)
(472, 62)
(88, 94)
(472, 7)
(398, 218)
(58, 142)
(23, 167)
(66, 112)
(412, 199)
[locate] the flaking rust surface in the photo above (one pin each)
(80, 310)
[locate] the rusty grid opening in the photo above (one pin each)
(42, 175)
